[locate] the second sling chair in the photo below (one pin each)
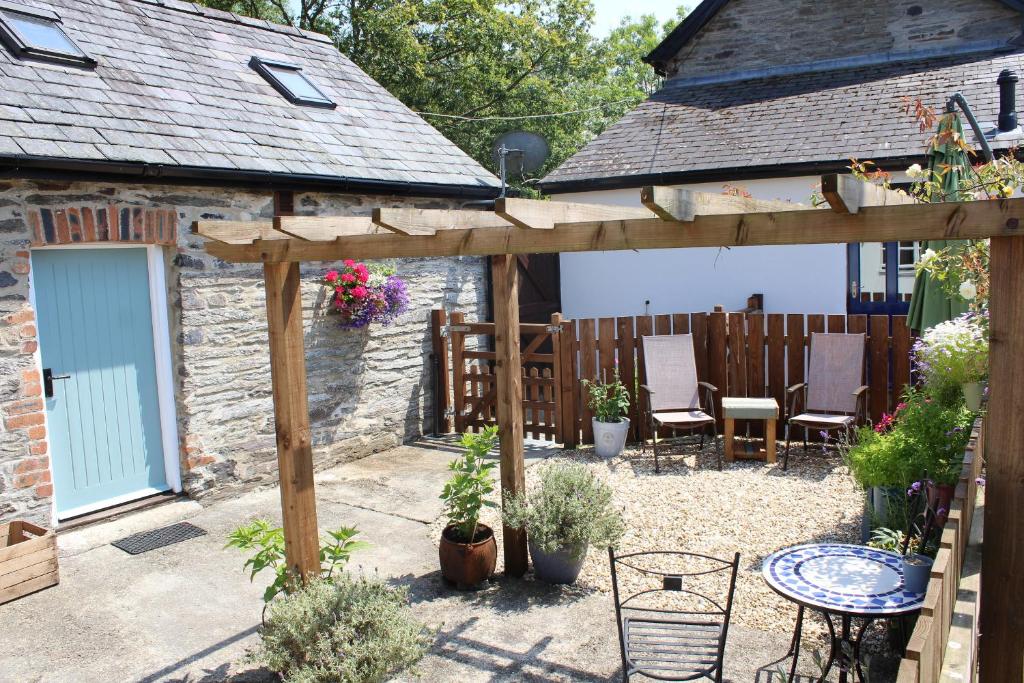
(672, 395)
(834, 396)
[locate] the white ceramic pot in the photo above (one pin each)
(610, 437)
(973, 392)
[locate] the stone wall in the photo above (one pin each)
(368, 390)
(756, 34)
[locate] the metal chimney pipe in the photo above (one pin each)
(1007, 100)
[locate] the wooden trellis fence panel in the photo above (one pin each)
(743, 354)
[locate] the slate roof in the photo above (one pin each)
(773, 126)
(173, 88)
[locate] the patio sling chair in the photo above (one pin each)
(672, 395)
(674, 622)
(833, 396)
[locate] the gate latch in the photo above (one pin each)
(48, 378)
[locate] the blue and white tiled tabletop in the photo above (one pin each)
(841, 578)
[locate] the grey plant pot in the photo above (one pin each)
(561, 566)
(917, 570)
(610, 437)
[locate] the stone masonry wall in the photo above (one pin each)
(756, 34)
(368, 390)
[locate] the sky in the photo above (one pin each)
(609, 12)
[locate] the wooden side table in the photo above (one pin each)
(765, 409)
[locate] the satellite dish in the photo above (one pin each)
(523, 152)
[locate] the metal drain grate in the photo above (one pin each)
(158, 538)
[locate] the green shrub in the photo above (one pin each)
(571, 508)
(465, 494)
(609, 402)
(344, 630)
(924, 435)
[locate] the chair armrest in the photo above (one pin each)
(709, 386)
(862, 393)
(797, 391)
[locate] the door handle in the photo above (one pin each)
(48, 378)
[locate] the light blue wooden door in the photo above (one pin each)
(95, 329)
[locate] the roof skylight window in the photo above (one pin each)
(289, 80)
(36, 33)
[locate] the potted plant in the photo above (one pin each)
(916, 565)
(468, 551)
(609, 403)
(955, 353)
(567, 513)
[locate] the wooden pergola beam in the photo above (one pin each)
(238, 232)
(847, 194)
(676, 204)
(544, 215)
(993, 218)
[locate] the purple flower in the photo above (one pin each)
(824, 435)
(980, 481)
(941, 512)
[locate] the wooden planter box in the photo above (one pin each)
(28, 560)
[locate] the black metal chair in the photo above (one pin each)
(671, 627)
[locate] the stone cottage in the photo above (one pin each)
(131, 363)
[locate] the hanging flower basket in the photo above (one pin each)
(362, 294)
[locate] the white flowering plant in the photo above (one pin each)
(961, 271)
(953, 353)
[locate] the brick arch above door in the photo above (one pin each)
(103, 224)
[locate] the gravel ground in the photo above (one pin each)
(749, 507)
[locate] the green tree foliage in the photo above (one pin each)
(487, 64)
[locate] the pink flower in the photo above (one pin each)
(331, 276)
(348, 278)
(362, 275)
(359, 292)
(349, 263)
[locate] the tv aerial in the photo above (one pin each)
(518, 152)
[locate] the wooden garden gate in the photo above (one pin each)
(467, 394)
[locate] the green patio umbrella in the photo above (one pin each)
(929, 304)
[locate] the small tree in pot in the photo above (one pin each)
(570, 511)
(609, 402)
(468, 551)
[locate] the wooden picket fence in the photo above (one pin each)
(927, 645)
(743, 354)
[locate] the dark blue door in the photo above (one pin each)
(881, 277)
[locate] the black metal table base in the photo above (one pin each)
(844, 650)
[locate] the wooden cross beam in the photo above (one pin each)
(676, 204)
(847, 194)
(993, 218)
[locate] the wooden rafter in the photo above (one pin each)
(847, 194)
(544, 215)
(325, 229)
(238, 232)
(431, 221)
(676, 204)
(1003, 217)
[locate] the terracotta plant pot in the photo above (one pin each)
(940, 497)
(610, 437)
(562, 566)
(467, 565)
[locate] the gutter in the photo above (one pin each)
(729, 174)
(52, 168)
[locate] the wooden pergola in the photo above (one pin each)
(671, 218)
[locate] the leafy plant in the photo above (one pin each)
(610, 401)
(571, 509)
(925, 434)
(345, 629)
(954, 352)
(268, 543)
(465, 494)
(884, 538)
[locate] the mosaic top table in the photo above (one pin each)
(847, 581)
(766, 409)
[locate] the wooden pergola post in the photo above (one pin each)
(291, 410)
(505, 276)
(1001, 645)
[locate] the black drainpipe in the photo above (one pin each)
(1007, 100)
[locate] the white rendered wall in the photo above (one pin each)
(793, 279)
